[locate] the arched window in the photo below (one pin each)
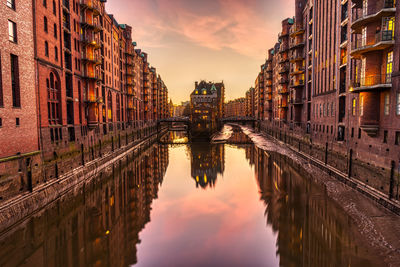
(45, 24)
(53, 100)
(118, 108)
(109, 106)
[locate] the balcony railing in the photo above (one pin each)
(89, 39)
(380, 41)
(283, 68)
(283, 47)
(93, 58)
(343, 60)
(297, 42)
(372, 81)
(295, 83)
(91, 75)
(296, 29)
(296, 56)
(362, 16)
(283, 90)
(93, 5)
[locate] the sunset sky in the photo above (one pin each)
(190, 40)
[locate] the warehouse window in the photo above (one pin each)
(387, 106)
(16, 94)
(12, 31)
(46, 29)
(11, 4)
(53, 99)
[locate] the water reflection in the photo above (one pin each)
(98, 225)
(103, 222)
(312, 230)
(207, 162)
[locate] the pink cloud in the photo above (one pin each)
(237, 25)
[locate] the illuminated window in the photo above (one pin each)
(361, 105)
(389, 67)
(12, 31)
(11, 4)
(364, 36)
(365, 7)
(387, 102)
(398, 104)
(354, 107)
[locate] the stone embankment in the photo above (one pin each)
(377, 218)
(22, 206)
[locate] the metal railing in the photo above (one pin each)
(373, 80)
(360, 13)
(365, 42)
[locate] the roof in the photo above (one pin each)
(208, 88)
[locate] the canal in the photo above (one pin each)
(201, 204)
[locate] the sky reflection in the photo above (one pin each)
(220, 226)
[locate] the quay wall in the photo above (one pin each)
(376, 182)
(25, 188)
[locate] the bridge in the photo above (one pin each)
(240, 120)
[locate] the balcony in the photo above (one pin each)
(282, 59)
(93, 99)
(92, 5)
(283, 34)
(296, 30)
(269, 68)
(92, 58)
(296, 56)
(296, 101)
(90, 40)
(268, 76)
(372, 82)
(362, 17)
(90, 24)
(381, 41)
(283, 80)
(268, 90)
(283, 48)
(283, 69)
(283, 90)
(296, 43)
(296, 83)
(91, 75)
(297, 71)
(283, 105)
(343, 60)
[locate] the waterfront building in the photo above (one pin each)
(331, 82)
(236, 108)
(207, 107)
(19, 137)
(250, 111)
(85, 89)
(207, 162)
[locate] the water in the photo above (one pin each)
(191, 205)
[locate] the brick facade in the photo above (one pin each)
(85, 90)
(332, 80)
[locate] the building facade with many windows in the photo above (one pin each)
(332, 83)
(73, 86)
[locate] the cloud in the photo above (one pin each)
(215, 24)
(216, 40)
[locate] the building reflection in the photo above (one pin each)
(97, 225)
(311, 229)
(207, 162)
